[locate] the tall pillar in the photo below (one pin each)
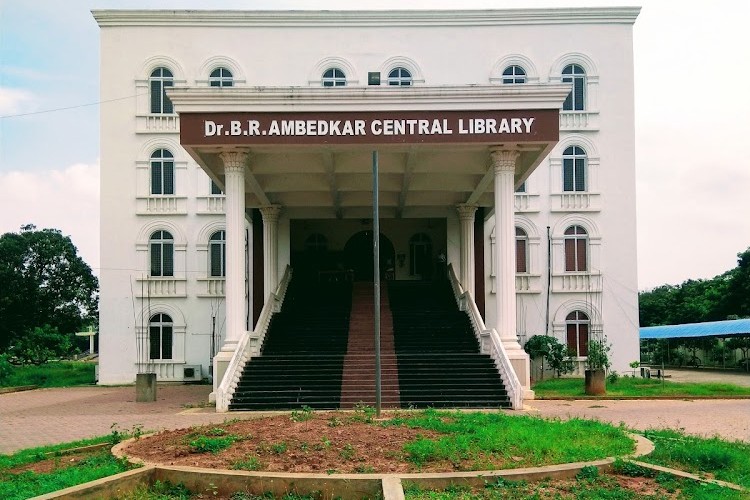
(234, 191)
(504, 164)
(270, 215)
(466, 217)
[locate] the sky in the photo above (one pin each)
(692, 102)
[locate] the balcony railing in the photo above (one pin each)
(528, 283)
(575, 202)
(525, 202)
(157, 124)
(211, 287)
(577, 282)
(579, 120)
(157, 286)
(210, 205)
(156, 204)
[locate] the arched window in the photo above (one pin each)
(160, 79)
(316, 242)
(522, 251)
(160, 333)
(334, 77)
(420, 255)
(221, 77)
(574, 169)
(514, 74)
(400, 77)
(162, 172)
(577, 333)
(575, 74)
(217, 253)
(576, 246)
(162, 254)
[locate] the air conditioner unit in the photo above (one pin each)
(192, 373)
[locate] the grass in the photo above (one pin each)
(630, 387)
(26, 484)
(480, 441)
(53, 374)
(724, 460)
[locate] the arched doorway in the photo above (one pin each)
(358, 255)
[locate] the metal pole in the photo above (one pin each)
(376, 276)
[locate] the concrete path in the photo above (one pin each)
(49, 416)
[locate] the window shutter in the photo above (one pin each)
(168, 177)
(153, 339)
(168, 259)
(581, 255)
(580, 174)
(583, 340)
(570, 260)
(168, 108)
(578, 86)
(156, 93)
(216, 261)
(567, 174)
(166, 342)
(155, 259)
(521, 256)
(156, 184)
(571, 338)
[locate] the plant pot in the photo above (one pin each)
(596, 382)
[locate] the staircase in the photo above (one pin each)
(439, 364)
(302, 358)
(358, 383)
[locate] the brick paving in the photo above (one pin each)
(49, 416)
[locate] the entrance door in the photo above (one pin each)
(358, 255)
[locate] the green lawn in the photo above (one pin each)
(53, 374)
(630, 387)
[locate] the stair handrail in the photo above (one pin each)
(489, 341)
(250, 344)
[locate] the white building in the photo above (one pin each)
(492, 87)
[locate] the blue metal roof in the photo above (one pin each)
(726, 328)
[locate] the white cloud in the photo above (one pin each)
(66, 199)
(13, 101)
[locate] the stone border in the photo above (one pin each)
(18, 388)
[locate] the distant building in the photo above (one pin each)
(505, 140)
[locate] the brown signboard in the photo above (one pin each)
(369, 127)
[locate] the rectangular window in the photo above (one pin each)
(154, 340)
(580, 174)
(156, 178)
(215, 189)
(521, 256)
(217, 260)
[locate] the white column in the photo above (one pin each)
(504, 164)
(466, 217)
(270, 215)
(234, 190)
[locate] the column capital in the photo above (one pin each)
(504, 159)
(270, 213)
(466, 211)
(234, 160)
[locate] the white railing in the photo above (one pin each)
(157, 123)
(250, 344)
(579, 120)
(575, 201)
(155, 286)
(212, 287)
(211, 204)
(577, 282)
(525, 202)
(489, 342)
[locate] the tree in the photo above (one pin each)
(43, 281)
(40, 345)
(552, 351)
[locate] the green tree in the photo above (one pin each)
(552, 351)
(43, 281)
(40, 345)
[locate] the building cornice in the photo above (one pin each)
(366, 18)
(418, 98)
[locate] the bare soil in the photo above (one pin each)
(327, 442)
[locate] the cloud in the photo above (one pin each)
(66, 199)
(14, 101)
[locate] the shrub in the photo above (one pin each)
(41, 344)
(6, 369)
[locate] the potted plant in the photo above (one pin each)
(597, 362)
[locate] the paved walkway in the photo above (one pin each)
(49, 416)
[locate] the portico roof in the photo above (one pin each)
(433, 142)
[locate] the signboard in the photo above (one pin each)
(368, 127)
